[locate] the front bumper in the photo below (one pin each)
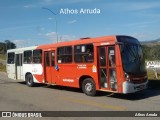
(129, 87)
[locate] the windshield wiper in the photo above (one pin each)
(131, 52)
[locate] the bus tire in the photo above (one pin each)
(29, 80)
(89, 87)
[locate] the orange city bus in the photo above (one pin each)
(110, 63)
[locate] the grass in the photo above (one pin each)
(152, 76)
(3, 56)
(2, 68)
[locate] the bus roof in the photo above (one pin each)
(80, 41)
(112, 39)
(22, 49)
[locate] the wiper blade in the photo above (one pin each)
(131, 52)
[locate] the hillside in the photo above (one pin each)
(151, 42)
(2, 48)
(2, 63)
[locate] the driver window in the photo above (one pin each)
(111, 53)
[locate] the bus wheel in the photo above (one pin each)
(88, 87)
(29, 80)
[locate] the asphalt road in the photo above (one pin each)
(16, 96)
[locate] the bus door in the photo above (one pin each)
(11, 65)
(49, 67)
(107, 68)
(18, 67)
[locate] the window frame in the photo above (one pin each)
(64, 55)
(53, 58)
(39, 58)
(13, 62)
(84, 53)
(31, 57)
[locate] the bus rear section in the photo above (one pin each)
(19, 63)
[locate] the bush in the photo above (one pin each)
(2, 68)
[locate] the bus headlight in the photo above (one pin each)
(127, 77)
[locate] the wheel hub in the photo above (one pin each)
(89, 87)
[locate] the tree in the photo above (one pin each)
(151, 52)
(2, 48)
(9, 45)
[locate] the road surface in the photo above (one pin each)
(16, 96)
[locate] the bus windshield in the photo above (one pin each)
(132, 57)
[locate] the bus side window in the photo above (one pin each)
(37, 56)
(89, 57)
(111, 53)
(53, 58)
(64, 54)
(10, 59)
(84, 53)
(27, 57)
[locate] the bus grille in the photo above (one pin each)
(138, 80)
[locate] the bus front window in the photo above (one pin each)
(132, 55)
(132, 58)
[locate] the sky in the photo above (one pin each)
(27, 23)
